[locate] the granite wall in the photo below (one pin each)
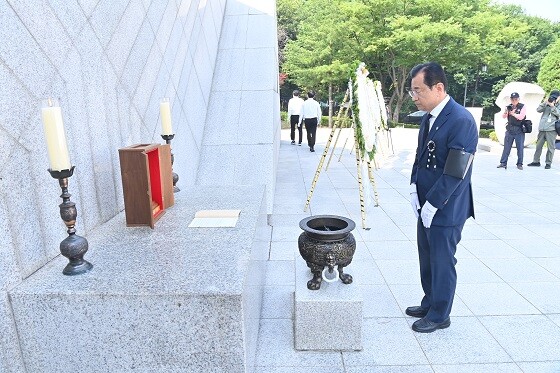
(109, 62)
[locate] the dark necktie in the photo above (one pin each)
(426, 128)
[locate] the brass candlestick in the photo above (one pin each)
(168, 139)
(72, 247)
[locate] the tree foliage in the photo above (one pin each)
(327, 40)
(549, 74)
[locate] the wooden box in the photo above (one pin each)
(147, 182)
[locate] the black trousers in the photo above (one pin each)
(311, 129)
(294, 120)
(436, 250)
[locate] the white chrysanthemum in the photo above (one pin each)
(381, 101)
(367, 102)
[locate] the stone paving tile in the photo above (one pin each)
(281, 233)
(280, 272)
(483, 249)
(298, 369)
(278, 302)
(545, 296)
(400, 271)
(540, 367)
(465, 342)
(283, 250)
(527, 247)
(478, 368)
(379, 302)
(471, 271)
(387, 341)
(507, 266)
(390, 250)
(519, 270)
(525, 337)
(477, 232)
(555, 317)
(287, 220)
(365, 272)
(490, 298)
(510, 231)
(551, 264)
(411, 295)
(390, 369)
(276, 348)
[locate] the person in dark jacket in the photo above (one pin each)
(440, 192)
(515, 113)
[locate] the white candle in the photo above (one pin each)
(165, 113)
(56, 139)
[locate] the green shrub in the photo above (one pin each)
(485, 134)
(492, 135)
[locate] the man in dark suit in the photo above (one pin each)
(440, 191)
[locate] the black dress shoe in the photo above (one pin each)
(501, 165)
(416, 311)
(534, 164)
(426, 326)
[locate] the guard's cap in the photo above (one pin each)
(514, 95)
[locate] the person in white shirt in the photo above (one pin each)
(311, 116)
(294, 113)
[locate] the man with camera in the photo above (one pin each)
(550, 110)
(515, 113)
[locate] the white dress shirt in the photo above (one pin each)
(311, 109)
(294, 106)
(437, 110)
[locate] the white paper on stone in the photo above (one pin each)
(215, 219)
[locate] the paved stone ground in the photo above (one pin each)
(506, 314)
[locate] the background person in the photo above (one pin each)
(550, 109)
(515, 113)
(294, 112)
(441, 189)
(311, 116)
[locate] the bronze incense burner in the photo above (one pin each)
(327, 243)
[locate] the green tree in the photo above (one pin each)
(391, 36)
(549, 74)
(320, 58)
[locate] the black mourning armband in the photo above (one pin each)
(458, 163)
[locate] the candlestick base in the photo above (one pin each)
(175, 179)
(72, 247)
(168, 139)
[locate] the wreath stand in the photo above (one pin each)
(338, 124)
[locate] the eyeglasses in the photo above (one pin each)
(416, 92)
(413, 93)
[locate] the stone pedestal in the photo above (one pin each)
(329, 318)
(169, 299)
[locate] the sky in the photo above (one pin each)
(549, 9)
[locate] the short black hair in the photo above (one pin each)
(311, 94)
(296, 93)
(433, 74)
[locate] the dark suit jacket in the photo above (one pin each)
(454, 128)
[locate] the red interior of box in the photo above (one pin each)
(155, 180)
